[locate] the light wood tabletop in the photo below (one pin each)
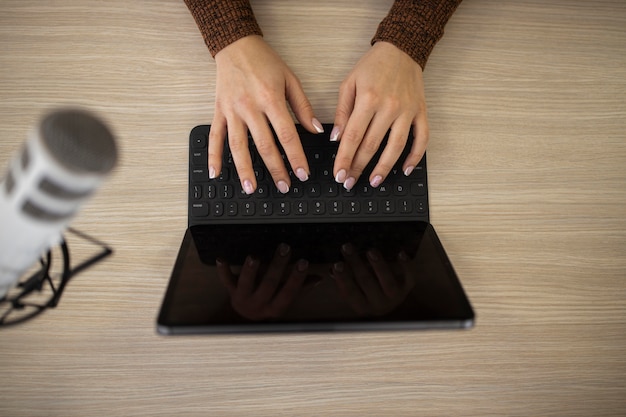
(527, 175)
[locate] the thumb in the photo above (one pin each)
(345, 105)
(300, 104)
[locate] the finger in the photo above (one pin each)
(274, 274)
(268, 150)
(345, 105)
(368, 147)
(385, 275)
(409, 272)
(351, 139)
(247, 276)
(362, 275)
(238, 144)
(292, 287)
(301, 105)
(420, 141)
(217, 136)
(290, 140)
(394, 147)
(348, 289)
(225, 275)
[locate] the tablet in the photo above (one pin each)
(312, 277)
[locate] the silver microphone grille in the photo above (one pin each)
(79, 141)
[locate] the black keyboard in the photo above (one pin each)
(319, 199)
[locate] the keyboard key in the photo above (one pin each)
(418, 188)
(217, 208)
(199, 209)
(266, 208)
(198, 142)
(247, 208)
(400, 189)
(313, 190)
(336, 207)
(331, 189)
(199, 174)
(199, 157)
(388, 207)
(262, 191)
(301, 207)
(197, 192)
(226, 191)
(383, 189)
(319, 207)
(284, 208)
(210, 191)
(231, 208)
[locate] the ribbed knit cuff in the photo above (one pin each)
(223, 22)
(415, 26)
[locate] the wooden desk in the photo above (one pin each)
(527, 167)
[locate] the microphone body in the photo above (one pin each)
(63, 161)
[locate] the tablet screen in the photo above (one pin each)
(312, 277)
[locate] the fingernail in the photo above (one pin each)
(283, 187)
(373, 256)
(402, 256)
(317, 125)
(376, 181)
(347, 248)
(248, 187)
(408, 170)
(341, 176)
(302, 265)
(252, 262)
(349, 183)
(283, 249)
(334, 134)
(212, 172)
(338, 266)
(302, 174)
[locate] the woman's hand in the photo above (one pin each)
(253, 87)
(385, 90)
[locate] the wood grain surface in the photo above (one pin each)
(527, 165)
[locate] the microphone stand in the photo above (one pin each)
(28, 299)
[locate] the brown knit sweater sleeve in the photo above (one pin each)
(415, 26)
(222, 22)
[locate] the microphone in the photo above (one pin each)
(64, 159)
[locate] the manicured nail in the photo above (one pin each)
(341, 176)
(302, 265)
(248, 187)
(338, 266)
(283, 249)
(376, 181)
(317, 125)
(252, 262)
(373, 256)
(301, 174)
(408, 170)
(347, 248)
(334, 134)
(283, 187)
(212, 173)
(349, 183)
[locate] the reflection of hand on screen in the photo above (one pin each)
(260, 295)
(372, 288)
